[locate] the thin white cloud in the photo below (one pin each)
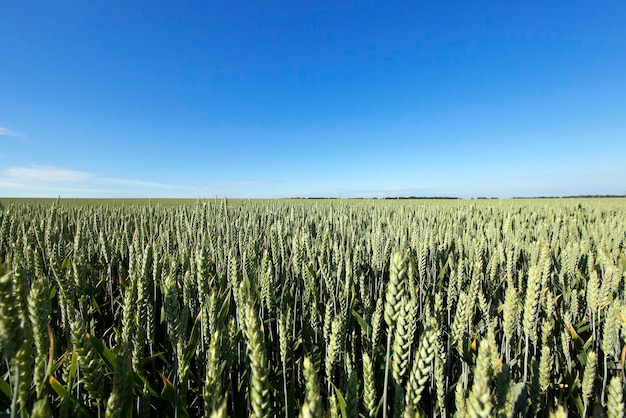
(47, 174)
(9, 132)
(36, 180)
(31, 189)
(4, 184)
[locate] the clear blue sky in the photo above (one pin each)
(312, 98)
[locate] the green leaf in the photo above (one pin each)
(379, 406)
(94, 304)
(5, 393)
(156, 356)
(364, 325)
(107, 355)
(170, 395)
(223, 312)
(572, 384)
(169, 392)
(341, 401)
(190, 351)
(73, 369)
(52, 366)
(444, 269)
(141, 382)
(65, 395)
(66, 263)
(59, 388)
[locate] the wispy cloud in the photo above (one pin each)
(9, 132)
(42, 180)
(47, 174)
(25, 189)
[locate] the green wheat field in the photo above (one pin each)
(312, 308)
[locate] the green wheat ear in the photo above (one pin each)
(479, 400)
(510, 313)
(615, 404)
(312, 406)
(369, 386)
(422, 365)
(118, 402)
(531, 304)
(259, 390)
(11, 331)
(403, 338)
(394, 302)
(395, 289)
(212, 390)
(89, 361)
(39, 314)
(589, 377)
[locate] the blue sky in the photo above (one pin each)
(312, 98)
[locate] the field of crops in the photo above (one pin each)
(313, 308)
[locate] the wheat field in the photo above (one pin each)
(289, 308)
